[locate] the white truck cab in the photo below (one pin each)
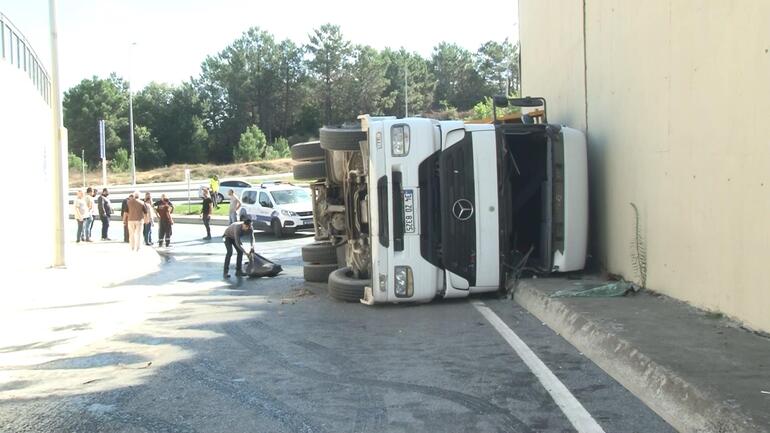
(281, 208)
(447, 208)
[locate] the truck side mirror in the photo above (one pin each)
(500, 101)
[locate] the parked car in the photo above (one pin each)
(236, 185)
(279, 207)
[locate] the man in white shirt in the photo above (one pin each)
(235, 206)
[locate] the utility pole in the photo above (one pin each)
(83, 163)
(58, 154)
(131, 117)
(103, 153)
(406, 87)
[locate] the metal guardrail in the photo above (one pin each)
(16, 50)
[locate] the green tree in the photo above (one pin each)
(363, 85)
(498, 65)
(90, 101)
(74, 162)
(148, 153)
(279, 148)
(330, 55)
(293, 81)
(251, 146)
(419, 79)
(120, 161)
(239, 87)
(457, 80)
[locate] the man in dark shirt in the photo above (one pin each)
(206, 212)
(232, 239)
(105, 210)
(165, 209)
(123, 212)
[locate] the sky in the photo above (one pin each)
(173, 37)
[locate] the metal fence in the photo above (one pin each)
(16, 50)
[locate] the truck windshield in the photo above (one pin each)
(290, 196)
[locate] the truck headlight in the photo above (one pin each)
(399, 140)
(403, 281)
(287, 213)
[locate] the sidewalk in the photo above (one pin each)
(47, 312)
(700, 372)
(89, 267)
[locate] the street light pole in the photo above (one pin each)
(58, 154)
(131, 117)
(406, 86)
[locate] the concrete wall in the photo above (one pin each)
(25, 166)
(676, 105)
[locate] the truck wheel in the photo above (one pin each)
(275, 225)
(341, 139)
(343, 286)
(310, 170)
(310, 151)
(319, 252)
(317, 273)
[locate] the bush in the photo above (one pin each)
(74, 162)
(120, 161)
(483, 110)
(251, 146)
(278, 149)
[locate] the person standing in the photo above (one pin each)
(214, 189)
(123, 213)
(94, 210)
(235, 206)
(232, 237)
(149, 216)
(165, 209)
(81, 210)
(88, 219)
(105, 211)
(206, 209)
(134, 219)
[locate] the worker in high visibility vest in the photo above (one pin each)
(214, 189)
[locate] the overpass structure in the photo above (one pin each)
(27, 164)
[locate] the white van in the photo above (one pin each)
(281, 208)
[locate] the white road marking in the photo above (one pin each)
(570, 406)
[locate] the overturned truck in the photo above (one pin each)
(407, 210)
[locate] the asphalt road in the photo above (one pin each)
(190, 352)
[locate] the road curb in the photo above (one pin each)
(687, 407)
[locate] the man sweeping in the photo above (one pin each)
(232, 238)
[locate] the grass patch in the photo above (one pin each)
(195, 209)
(175, 173)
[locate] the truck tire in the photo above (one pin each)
(343, 286)
(312, 170)
(317, 273)
(341, 139)
(319, 252)
(310, 151)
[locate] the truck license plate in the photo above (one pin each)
(409, 211)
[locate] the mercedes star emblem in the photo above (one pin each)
(462, 209)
